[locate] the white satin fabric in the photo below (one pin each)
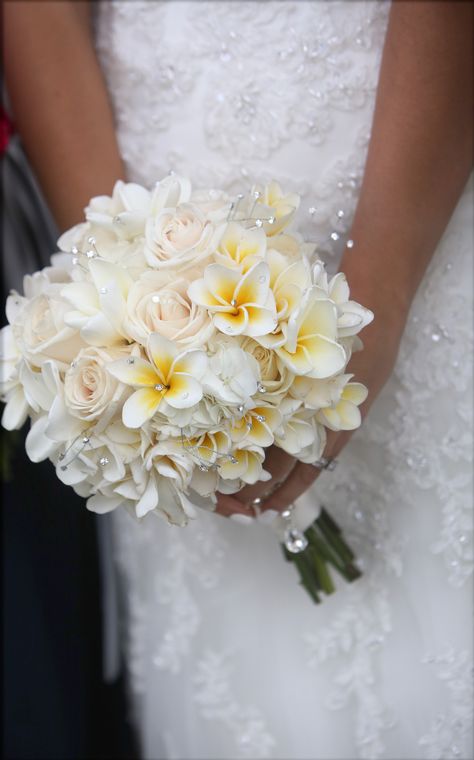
(227, 656)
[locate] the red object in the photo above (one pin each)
(6, 130)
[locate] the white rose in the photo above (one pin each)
(178, 238)
(275, 377)
(90, 391)
(40, 331)
(158, 302)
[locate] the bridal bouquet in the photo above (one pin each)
(176, 335)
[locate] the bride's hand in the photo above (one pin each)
(291, 478)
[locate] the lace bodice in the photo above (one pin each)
(230, 93)
(238, 91)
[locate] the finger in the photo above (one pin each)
(228, 506)
(301, 478)
(279, 464)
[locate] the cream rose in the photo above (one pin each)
(274, 376)
(39, 329)
(158, 302)
(178, 238)
(90, 390)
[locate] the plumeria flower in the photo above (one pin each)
(273, 205)
(336, 400)
(240, 304)
(352, 317)
(168, 375)
(300, 434)
(143, 491)
(309, 343)
(241, 247)
(288, 281)
(344, 413)
(99, 307)
(256, 426)
(245, 464)
(207, 451)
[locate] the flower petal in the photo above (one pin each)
(192, 362)
(184, 391)
(221, 282)
(140, 407)
(135, 371)
(260, 321)
(37, 444)
(199, 294)
(349, 414)
(16, 410)
(320, 318)
(162, 352)
(230, 323)
(355, 392)
(149, 500)
(327, 357)
(254, 285)
(102, 504)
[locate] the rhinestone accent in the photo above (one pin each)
(295, 541)
(350, 244)
(103, 461)
(159, 387)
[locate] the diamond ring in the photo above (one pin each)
(325, 463)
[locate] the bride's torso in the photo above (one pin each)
(228, 93)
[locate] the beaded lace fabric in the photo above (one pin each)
(227, 657)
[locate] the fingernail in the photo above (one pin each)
(242, 519)
(268, 516)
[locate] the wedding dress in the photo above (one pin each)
(227, 656)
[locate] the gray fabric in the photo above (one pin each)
(29, 233)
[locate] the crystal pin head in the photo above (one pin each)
(295, 541)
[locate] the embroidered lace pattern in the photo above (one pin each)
(235, 92)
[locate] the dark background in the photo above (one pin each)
(56, 703)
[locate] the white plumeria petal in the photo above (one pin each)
(162, 352)
(102, 504)
(82, 295)
(16, 410)
(135, 371)
(98, 331)
(149, 499)
(192, 362)
(183, 391)
(37, 444)
(339, 288)
(61, 425)
(140, 407)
